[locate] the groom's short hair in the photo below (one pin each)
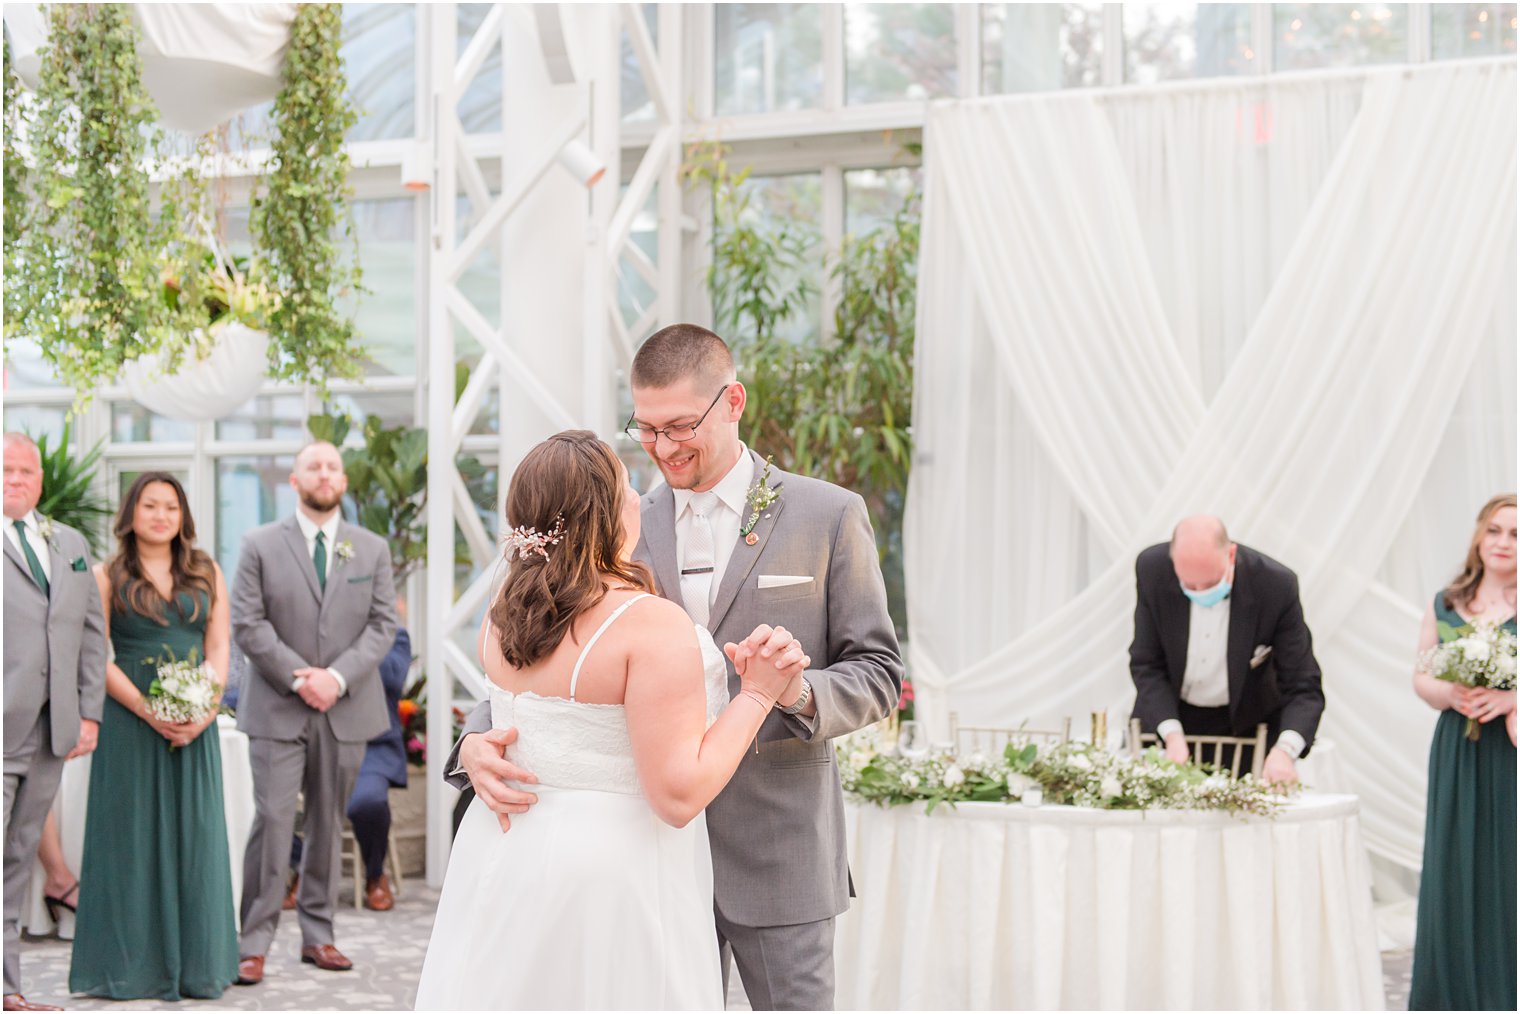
(680, 351)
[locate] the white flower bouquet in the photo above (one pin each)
(1474, 655)
(183, 691)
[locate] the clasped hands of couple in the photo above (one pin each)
(770, 663)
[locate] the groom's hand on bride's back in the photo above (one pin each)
(483, 757)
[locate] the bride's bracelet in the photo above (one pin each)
(759, 698)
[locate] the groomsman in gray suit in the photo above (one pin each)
(313, 608)
(734, 558)
(55, 677)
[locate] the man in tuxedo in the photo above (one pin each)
(55, 677)
(1221, 646)
(313, 608)
(806, 561)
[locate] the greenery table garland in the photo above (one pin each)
(1071, 774)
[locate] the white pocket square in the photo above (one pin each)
(782, 580)
(1260, 656)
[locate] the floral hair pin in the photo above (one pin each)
(525, 540)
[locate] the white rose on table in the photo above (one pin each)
(1080, 762)
(1110, 787)
(953, 777)
(1017, 784)
(860, 758)
(911, 781)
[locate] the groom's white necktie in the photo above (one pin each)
(699, 560)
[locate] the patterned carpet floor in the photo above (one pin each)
(387, 949)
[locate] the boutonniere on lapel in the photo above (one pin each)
(46, 530)
(760, 496)
(342, 553)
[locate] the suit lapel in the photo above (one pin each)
(746, 556)
(1238, 647)
(14, 555)
(1176, 627)
(296, 542)
(658, 534)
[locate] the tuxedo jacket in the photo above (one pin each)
(1283, 690)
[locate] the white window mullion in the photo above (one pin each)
(1113, 45)
(833, 56)
(1262, 37)
(833, 236)
(968, 50)
(1419, 33)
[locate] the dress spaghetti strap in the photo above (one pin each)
(576, 675)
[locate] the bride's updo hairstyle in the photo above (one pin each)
(575, 481)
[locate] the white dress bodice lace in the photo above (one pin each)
(572, 744)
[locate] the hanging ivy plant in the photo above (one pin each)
(296, 222)
(15, 183)
(81, 244)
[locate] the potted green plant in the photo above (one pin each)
(68, 488)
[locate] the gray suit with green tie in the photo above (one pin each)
(55, 675)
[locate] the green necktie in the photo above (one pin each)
(31, 558)
(320, 559)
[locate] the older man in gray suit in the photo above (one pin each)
(55, 677)
(313, 608)
(807, 561)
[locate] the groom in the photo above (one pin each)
(806, 561)
(313, 608)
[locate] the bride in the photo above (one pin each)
(601, 895)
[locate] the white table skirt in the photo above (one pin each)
(993, 906)
(72, 802)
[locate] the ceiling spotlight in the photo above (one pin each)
(581, 162)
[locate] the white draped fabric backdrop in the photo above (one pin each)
(1287, 302)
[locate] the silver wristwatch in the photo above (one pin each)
(802, 699)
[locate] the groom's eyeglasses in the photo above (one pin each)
(676, 434)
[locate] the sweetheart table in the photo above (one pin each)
(1002, 906)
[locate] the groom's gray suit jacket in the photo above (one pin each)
(283, 620)
(55, 644)
(777, 829)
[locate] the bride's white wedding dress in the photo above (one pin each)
(591, 901)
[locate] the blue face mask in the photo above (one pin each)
(1209, 596)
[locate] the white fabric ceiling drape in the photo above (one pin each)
(1289, 302)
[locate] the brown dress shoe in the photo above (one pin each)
(15, 1001)
(290, 895)
(326, 957)
(250, 970)
(377, 894)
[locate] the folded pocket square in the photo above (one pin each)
(79, 564)
(1260, 656)
(357, 580)
(783, 580)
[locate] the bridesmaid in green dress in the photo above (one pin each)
(155, 906)
(1464, 950)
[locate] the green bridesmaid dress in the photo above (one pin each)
(155, 902)
(1464, 948)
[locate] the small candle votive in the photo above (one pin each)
(1033, 796)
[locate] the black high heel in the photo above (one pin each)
(54, 904)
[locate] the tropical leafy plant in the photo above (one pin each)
(68, 494)
(81, 242)
(306, 203)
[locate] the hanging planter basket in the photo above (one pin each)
(203, 389)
